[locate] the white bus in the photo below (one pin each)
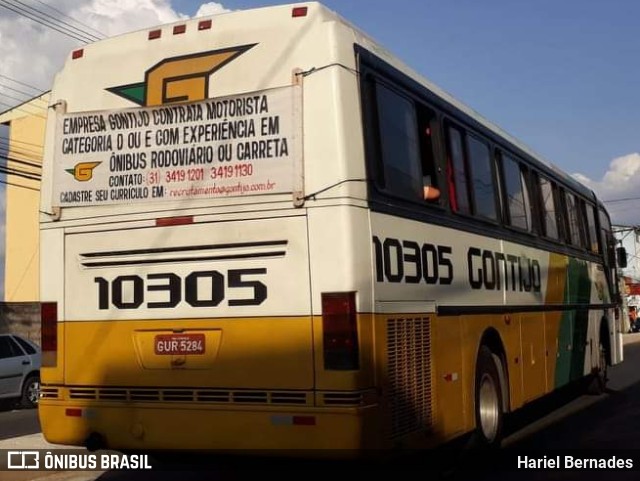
(261, 230)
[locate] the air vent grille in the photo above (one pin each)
(189, 395)
(409, 374)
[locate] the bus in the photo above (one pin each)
(262, 231)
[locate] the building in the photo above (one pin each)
(629, 238)
(21, 158)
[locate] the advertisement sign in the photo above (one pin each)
(227, 146)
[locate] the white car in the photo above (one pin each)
(19, 370)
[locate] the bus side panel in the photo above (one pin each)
(340, 259)
(534, 358)
(573, 328)
(553, 319)
(451, 411)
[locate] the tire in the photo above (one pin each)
(488, 401)
(30, 392)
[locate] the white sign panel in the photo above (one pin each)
(232, 146)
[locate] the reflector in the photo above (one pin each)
(299, 12)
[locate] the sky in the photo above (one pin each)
(562, 77)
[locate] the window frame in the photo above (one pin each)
(373, 137)
(527, 197)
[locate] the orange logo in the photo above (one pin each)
(83, 172)
(179, 79)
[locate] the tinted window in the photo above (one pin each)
(427, 126)
(605, 232)
(573, 217)
(457, 173)
(517, 194)
(482, 178)
(594, 246)
(8, 348)
(28, 348)
(548, 209)
(399, 146)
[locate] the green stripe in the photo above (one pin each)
(572, 335)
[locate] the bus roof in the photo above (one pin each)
(315, 13)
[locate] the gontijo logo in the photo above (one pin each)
(179, 79)
(83, 172)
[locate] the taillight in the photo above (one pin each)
(49, 332)
(169, 221)
(340, 331)
(299, 12)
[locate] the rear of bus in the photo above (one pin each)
(192, 297)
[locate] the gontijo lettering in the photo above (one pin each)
(414, 262)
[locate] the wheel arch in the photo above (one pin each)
(32, 373)
(604, 333)
(493, 341)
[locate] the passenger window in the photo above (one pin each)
(594, 245)
(457, 173)
(518, 207)
(427, 124)
(482, 178)
(573, 218)
(548, 209)
(399, 146)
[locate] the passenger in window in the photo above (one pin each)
(430, 192)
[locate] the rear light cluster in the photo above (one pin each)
(169, 221)
(340, 331)
(299, 12)
(49, 333)
(179, 29)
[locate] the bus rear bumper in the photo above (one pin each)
(338, 432)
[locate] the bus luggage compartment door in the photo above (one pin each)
(219, 304)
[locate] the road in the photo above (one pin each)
(17, 422)
(590, 424)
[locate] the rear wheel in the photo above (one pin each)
(488, 397)
(598, 383)
(30, 392)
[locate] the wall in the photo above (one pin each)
(19, 312)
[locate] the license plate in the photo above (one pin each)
(179, 344)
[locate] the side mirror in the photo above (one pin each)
(621, 256)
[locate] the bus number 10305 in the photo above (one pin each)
(200, 289)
